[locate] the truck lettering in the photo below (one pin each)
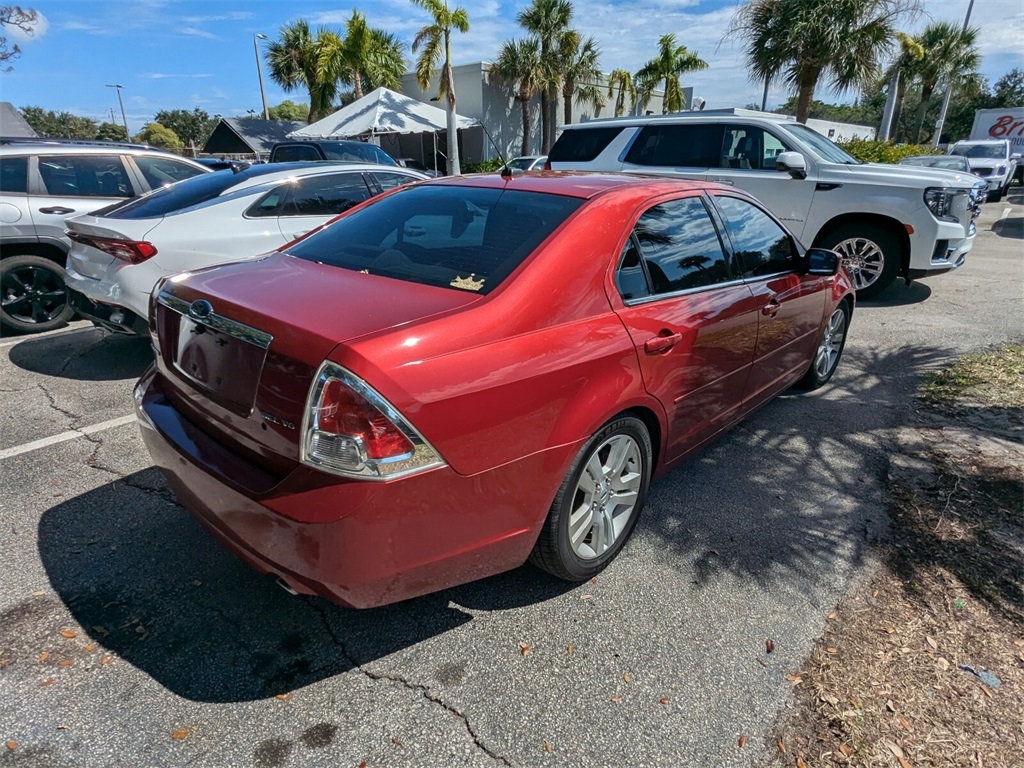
(1005, 126)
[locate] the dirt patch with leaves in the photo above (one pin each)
(924, 664)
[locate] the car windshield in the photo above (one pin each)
(523, 163)
(946, 162)
(980, 151)
(357, 151)
(464, 238)
(824, 148)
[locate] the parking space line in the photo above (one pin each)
(64, 437)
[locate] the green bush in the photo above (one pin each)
(487, 166)
(875, 151)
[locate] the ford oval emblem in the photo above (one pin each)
(200, 309)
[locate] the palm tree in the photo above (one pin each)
(435, 39)
(621, 79)
(950, 55)
(298, 59)
(371, 56)
(897, 74)
(672, 61)
(802, 41)
(518, 63)
(548, 20)
(580, 72)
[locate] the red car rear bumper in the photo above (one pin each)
(373, 543)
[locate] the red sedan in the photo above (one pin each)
(470, 372)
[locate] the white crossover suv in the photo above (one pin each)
(885, 220)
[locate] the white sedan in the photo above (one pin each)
(119, 253)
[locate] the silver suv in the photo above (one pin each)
(885, 220)
(42, 183)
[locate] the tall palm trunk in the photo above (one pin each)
(453, 132)
(524, 100)
(926, 96)
(567, 93)
(897, 110)
(805, 93)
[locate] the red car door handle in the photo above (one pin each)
(662, 343)
(771, 308)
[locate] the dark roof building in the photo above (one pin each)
(245, 136)
(12, 123)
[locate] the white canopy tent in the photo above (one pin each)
(384, 116)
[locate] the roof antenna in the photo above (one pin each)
(507, 172)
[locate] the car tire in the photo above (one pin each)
(33, 296)
(598, 502)
(829, 350)
(995, 196)
(872, 256)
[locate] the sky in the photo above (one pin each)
(179, 54)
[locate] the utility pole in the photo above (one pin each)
(949, 88)
(127, 136)
(259, 71)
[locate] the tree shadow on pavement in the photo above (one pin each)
(789, 493)
(86, 355)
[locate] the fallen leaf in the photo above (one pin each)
(1019, 643)
(875, 593)
(65, 663)
(585, 597)
(44, 656)
(593, 580)
(4, 662)
(396, 742)
(106, 660)
(831, 650)
(197, 583)
(986, 691)
(742, 742)
(890, 706)
(795, 679)
(89, 647)
(893, 747)
(800, 762)
(283, 696)
(830, 617)
(67, 633)
(524, 649)
(942, 663)
(362, 764)
(101, 630)
(181, 734)
(625, 677)
(11, 744)
(568, 649)
(664, 700)
(49, 681)
(931, 642)
(845, 750)
(903, 723)
(904, 763)
(616, 699)
(782, 747)
(547, 746)
(769, 644)
(889, 630)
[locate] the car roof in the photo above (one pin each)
(581, 184)
(981, 141)
(266, 172)
(705, 116)
(42, 146)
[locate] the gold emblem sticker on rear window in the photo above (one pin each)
(468, 283)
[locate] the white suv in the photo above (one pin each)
(885, 220)
(42, 183)
(992, 160)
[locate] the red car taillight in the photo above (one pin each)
(132, 251)
(349, 429)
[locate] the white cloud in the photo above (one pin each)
(197, 32)
(37, 31)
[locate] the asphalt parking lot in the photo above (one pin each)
(128, 637)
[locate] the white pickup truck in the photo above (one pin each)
(885, 220)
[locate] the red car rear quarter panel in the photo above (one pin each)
(543, 362)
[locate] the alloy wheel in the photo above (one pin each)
(33, 295)
(605, 497)
(831, 344)
(863, 258)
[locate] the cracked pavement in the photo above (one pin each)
(173, 653)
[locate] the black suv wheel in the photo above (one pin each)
(33, 297)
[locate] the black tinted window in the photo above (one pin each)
(630, 278)
(459, 237)
(185, 194)
(679, 146)
(357, 151)
(160, 171)
(87, 176)
(389, 180)
(761, 246)
(296, 153)
(583, 144)
(680, 246)
(14, 174)
(326, 195)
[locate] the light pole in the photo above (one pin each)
(127, 136)
(259, 71)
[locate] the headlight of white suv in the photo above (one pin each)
(941, 202)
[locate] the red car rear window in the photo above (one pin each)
(466, 238)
